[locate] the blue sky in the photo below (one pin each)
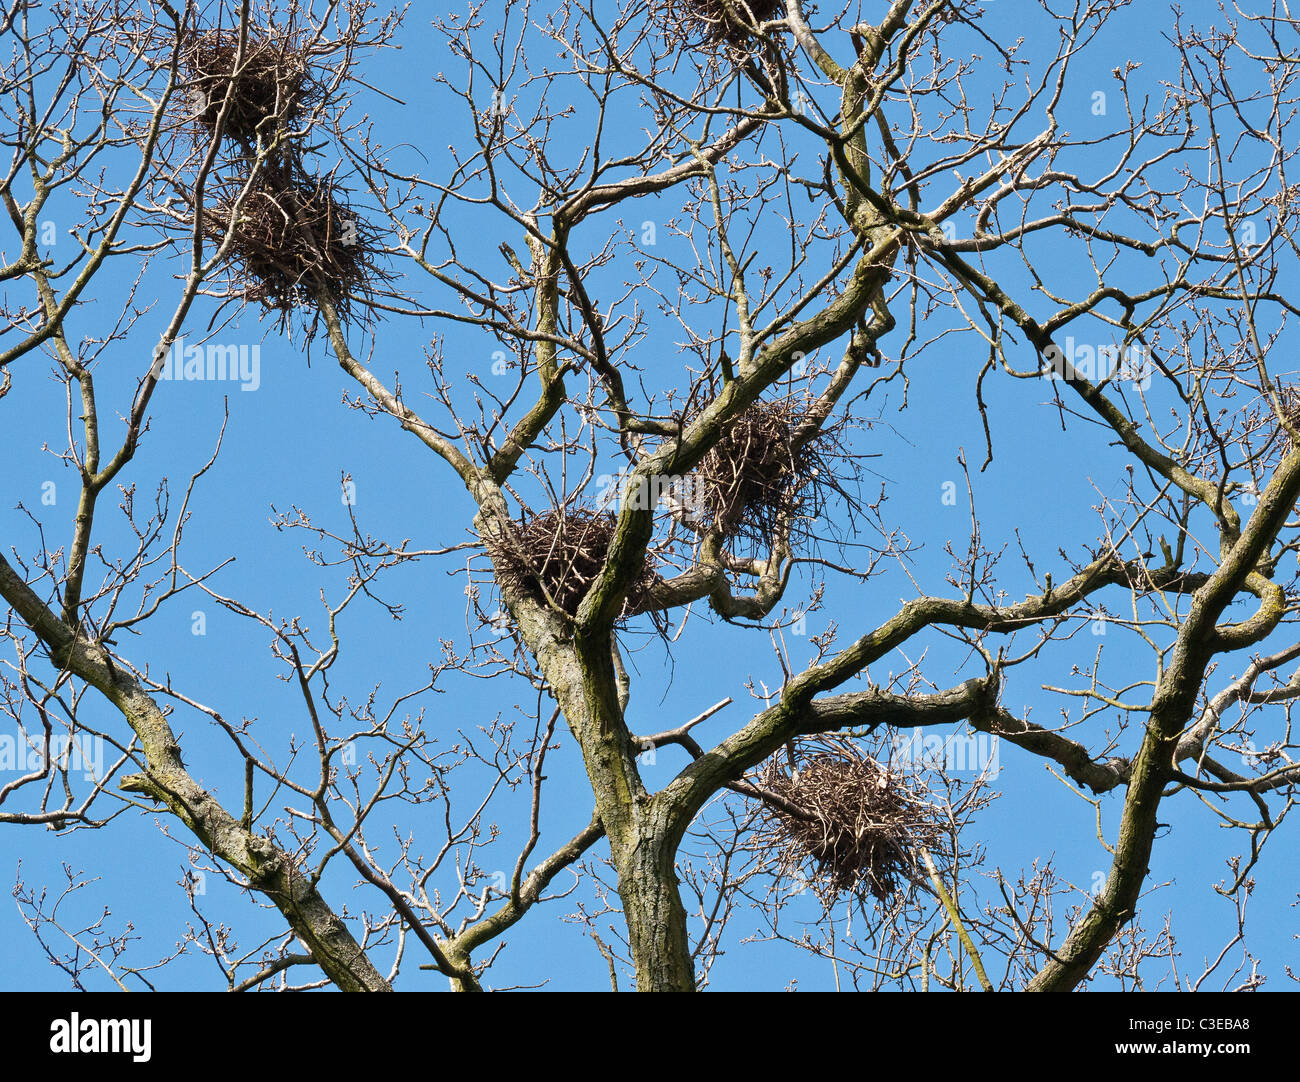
(289, 444)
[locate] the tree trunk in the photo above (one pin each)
(656, 920)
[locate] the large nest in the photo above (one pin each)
(274, 82)
(559, 555)
(861, 824)
(765, 476)
(710, 24)
(294, 234)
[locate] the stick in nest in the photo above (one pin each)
(273, 83)
(294, 234)
(559, 555)
(711, 24)
(760, 480)
(862, 825)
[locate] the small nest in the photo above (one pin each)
(560, 554)
(294, 234)
(1289, 398)
(273, 84)
(862, 825)
(710, 24)
(754, 482)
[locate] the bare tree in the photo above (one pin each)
(732, 244)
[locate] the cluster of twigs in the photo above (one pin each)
(556, 556)
(862, 825)
(293, 233)
(713, 24)
(1289, 399)
(293, 236)
(767, 476)
(269, 88)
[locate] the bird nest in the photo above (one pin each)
(558, 554)
(293, 235)
(273, 82)
(711, 24)
(1289, 400)
(763, 478)
(861, 824)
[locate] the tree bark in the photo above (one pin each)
(656, 919)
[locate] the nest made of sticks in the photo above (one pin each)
(559, 554)
(763, 477)
(861, 824)
(1288, 397)
(711, 24)
(294, 233)
(274, 83)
